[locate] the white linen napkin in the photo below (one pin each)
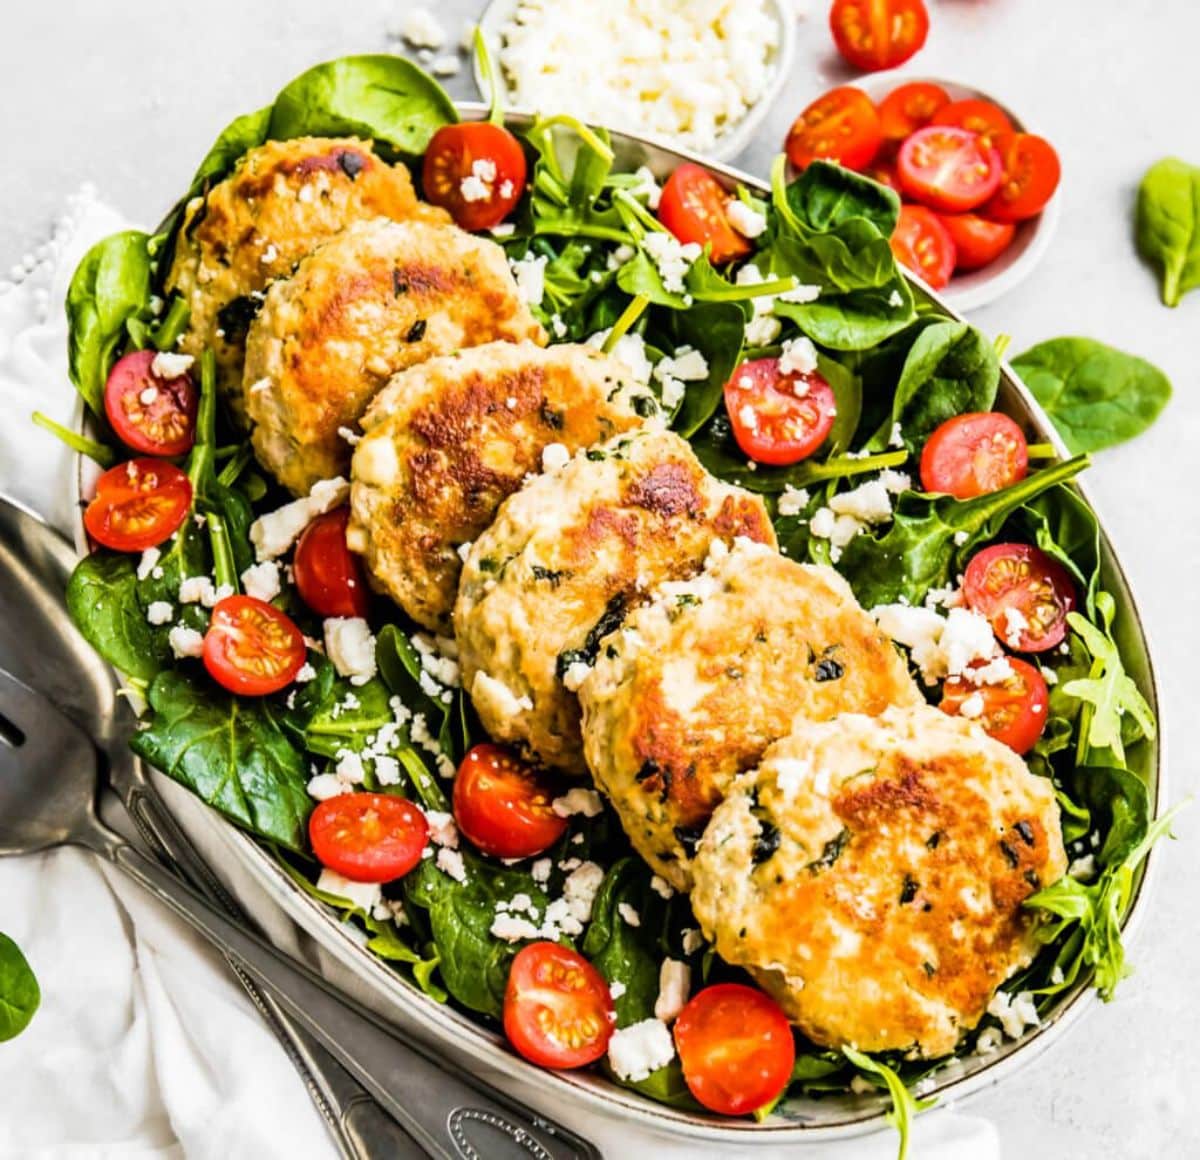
(145, 1045)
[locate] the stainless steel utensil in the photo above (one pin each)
(48, 787)
(41, 646)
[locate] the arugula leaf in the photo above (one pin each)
(905, 1106)
(1168, 225)
(1085, 919)
(377, 96)
(929, 535)
(102, 599)
(231, 752)
(20, 995)
(110, 287)
(1096, 396)
(950, 369)
(1108, 692)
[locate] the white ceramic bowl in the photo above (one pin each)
(979, 287)
(499, 13)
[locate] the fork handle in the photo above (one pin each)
(361, 1129)
(451, 1115)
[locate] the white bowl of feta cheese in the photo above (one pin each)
(696, 74)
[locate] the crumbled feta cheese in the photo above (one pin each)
(748, 222)
(306, 674)
(578, 800)
(387, 770)
(634, 1052)
(148, 562)
(1083, 869)
(451, 862)
(793, 500)
(577, 672)
(274, 533)
(325, 786)
(674, 986)
(160, 612)
(555, 457)
(630, 349)
(989, 1040)
(166, 365)
(672, 257)
(687, 364)
(693, 940)
(421, 29)
(580, 890)
(861, 1086)
(972, 707)
(869, 503)
(1015, 1012)
(617, 989)
(513, 928)
(939, 647)
(540, 871)
(351, 647)
(895, 299)
(185, 642)
(960, 538)
(661, 887)
(446, 65)
(1014, 625)
(362, 895)
(261, 580)
(477, 185)
(464, 550)
(896, 482)
(530, 275)
(197, 590)
(896, 438)
(442, 830)
(350, 767)
(647, 186)
(147, 395)
(799, 357)
(628, 914)
(502, 698)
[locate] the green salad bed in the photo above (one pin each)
(898, 367)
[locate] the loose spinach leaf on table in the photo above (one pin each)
(110, 287)
(232, 752)
(1168, 225)
(929, 535)
(1095, 395)
(19, 991)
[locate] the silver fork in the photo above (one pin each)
(48, 785)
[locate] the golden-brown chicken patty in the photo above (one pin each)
(379, 297)
(563, 562)
(703, 678)
(446, 441)
(283, 199)
(871, 874)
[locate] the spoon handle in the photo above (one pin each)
(451, 1115)
(360, 1128)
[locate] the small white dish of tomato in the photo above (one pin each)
(979, 190)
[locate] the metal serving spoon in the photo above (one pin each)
(48, 786)
(40, 644)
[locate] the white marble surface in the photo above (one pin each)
(129, 95)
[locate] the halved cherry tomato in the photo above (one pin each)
(692, 207)
(778, 418)
(476, 172)
(153, 415)
(736, 1048)
(909, 108)
(924, 245)
(977, 241)
(503, 804)
(138, 505)
(368, 837)
(1024, 593)
(840, 126)
(977, 115)
(557, 1008)
(948, 169)
(974, 454)
(1013, 712)
(878, 34)
(1031, 174)
(251, 647)
(328, 575)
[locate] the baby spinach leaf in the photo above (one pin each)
(1119, 806)
(474, 962)
(826, 195)
(19, 991)
(717, 330)
(1096, 396)
(337, 725)
(1168, 225)
(238, 137)
(928, 535)
(1065, 528)
(102, 598)
(375, 96)
(231, 752)
(109, 288)
(950, 368)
